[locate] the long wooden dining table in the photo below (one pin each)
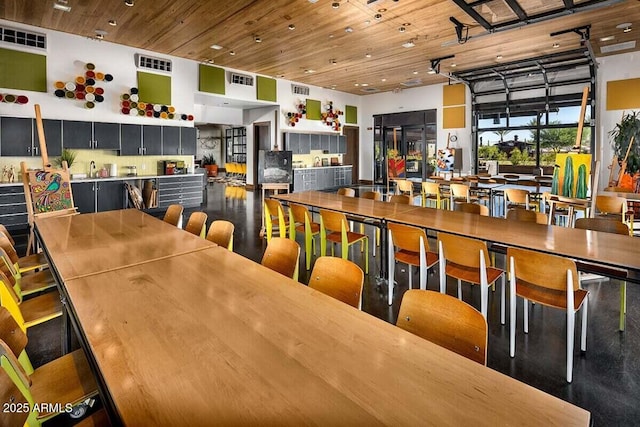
(208, 337)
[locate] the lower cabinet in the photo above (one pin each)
(184, 190)
(98, 196)
(13, 207)
(321, 178)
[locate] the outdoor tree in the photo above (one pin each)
(502, 133)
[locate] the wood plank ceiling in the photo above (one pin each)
(356, 47)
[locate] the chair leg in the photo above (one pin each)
(442, 265)
(460, 289)
(525, 307)
(623, 305)
(571, 319)
(583, 336)
(308, 239)
(391, 267)
(502, 304)
(410, 277)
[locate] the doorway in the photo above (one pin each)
(352, 156)
(261, 141)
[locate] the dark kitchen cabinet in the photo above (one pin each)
(106, 136)
(53, 136)
(77, 134)
(170, 140)
(16, 136)
(131, 140)
(188, 141)
(315, 142)
(152, 140)
(84, 196)
(110, 195)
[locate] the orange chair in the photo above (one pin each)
(335, 228)
(282, 255)
(474, 208)
(221, 233)
(349, 192)
(300, 220)
(197, 224)
(173, 215)
(339, 278)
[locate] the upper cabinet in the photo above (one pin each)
(106, 136)
(77, 134)
(131, 140)
(170, 140)
(19, 138)
(152, 140)
(304, 143)
(188, 141)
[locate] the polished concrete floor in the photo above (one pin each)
(606, 377)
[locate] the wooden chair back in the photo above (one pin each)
(459, 191)
(4, 231)
(372, 195)
(611, 204)
(430, 188)
(510, 176)
(524, 215)
(606, 225)
(445, 321)
(338, 278)
(402, 199)
(10, 394)
(349, 192)
(282, 256)
(333, 221)
(463, 251)
(221, 233)
(10, 250)
(197, 224)
(407, 237)
(11, 333)
(543, 270)
(516, 195)
(10, 300)
(528, 182)
(299, 213)
(173, 214)
(619, 189)
(474, 208)
(404, 186)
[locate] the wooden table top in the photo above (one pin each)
(613, 250)
(349, 205)
(212, 337)
(79, 245)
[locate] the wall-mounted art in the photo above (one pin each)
(331, 116)
(131, 105)
(86, 88)
(23, 70)
(11, 98)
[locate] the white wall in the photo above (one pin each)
(618, 67)
(421, 98)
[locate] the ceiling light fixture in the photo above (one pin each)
(410, 43)
(383, 10)
(377, 16)
(100, 34)
(113, 22)
(607, 38)
(624, 26)
(431, 71)
(333, 62)
(129, 3)
(62, 6)
(364, 84)
(402, 29)
(216, 46)
(257, 39)
(291, 27)
(335, 5)
(556, 45)
(367, 55)
(454, 65)
(383, 80)
(348, 30)
(210, 61)
(499, 57)
(627, 30)
(232, 53)
(415, 73)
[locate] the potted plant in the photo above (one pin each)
(67, 155)
(626, 132)
(209, 163)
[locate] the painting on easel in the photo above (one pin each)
(50, 190)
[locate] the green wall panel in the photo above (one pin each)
(154, 88)
(23, 70)
(351, 114)
(211, 79)
(266, 89)
(314, 109)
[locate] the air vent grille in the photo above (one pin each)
(23, 38)
(618, 47)
(370, 89)
(300, 90)
(241, 79)
(411, 83)
(151, 63)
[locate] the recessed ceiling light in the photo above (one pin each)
(356, 84)
(383, 80)
(100, 34)
(607, 38)
(257, 39)
(431, 71)
(335, 5)
(383, 10)
(231, 52)
(623, 25)
(210, 61)
(367, 22)
(415, 72)
(128, 3)
(377, 16)
(62, 7)
(292, 27)
(402, 29)
(453, 65)
(499, 57)
(309, 71)
(333, 62)
(408, 44)
(556, 45)
(215, 46)
(627, 30)
(348, 30)
(113, 22)
(367, 55)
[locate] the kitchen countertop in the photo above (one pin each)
(323, 167)
(112, 178)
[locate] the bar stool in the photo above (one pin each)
(468, 259)
(548, 280)
(413, 250)
(334, 228)
(300, 220)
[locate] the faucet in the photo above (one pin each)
(92, 169)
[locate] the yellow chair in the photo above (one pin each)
(402, 199)
(516, 197)
(23, 284)
(221, 233)
(547, 280)
(197, 224)
(349, 192)
(445, 321)
(431, 193)
(612, 206)
(413, 250)
(339, 278)
(26, 263)
(173, 215)
(467, 259)
(404, 186)
(282, 255)
(67, 380)
(30, 312)
(474, 208)
(458, 193)
(274, 218)
(524, 215)
(300, 220)
(334, 228)
(377, 196)
(607, 225)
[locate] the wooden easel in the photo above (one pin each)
(45, 190)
